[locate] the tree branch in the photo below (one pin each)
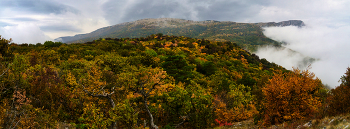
(8, 67)
(184, 118)
(103, 94)
(150, 90)
(150, 114)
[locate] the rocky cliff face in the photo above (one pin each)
(297, 23)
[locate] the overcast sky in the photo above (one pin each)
(326, 36)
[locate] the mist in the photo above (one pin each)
(329, 45)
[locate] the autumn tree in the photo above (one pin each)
(290, 96)
(16, 101)
(338, 100)
(96, 88)
(145, 83)
(238, 106)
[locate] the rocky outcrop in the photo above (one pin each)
(297, 23)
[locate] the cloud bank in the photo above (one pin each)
(24, 34)
(27, 21)
(329, 45)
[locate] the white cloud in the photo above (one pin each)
(330, 45)
(24, 33)
(74, 16)
(284, 57)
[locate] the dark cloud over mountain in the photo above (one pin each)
(224, 10)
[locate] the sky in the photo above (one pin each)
(325, 36)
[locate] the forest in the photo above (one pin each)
(158, 81)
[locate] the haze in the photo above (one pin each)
(325, 36)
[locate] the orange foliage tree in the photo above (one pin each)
(290, 96)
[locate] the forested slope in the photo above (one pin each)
(246, 35)
(157, 81)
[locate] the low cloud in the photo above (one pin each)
(285, 57)
(28, 33)
(329, 45)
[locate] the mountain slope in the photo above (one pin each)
(190, 83)
(246, 35)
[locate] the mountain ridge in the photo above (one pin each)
(246, 35)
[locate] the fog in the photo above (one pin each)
(329, 45)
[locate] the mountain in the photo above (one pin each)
(246, 35)
(297, 23)
(169, 81)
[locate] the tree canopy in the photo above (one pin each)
(159, 81)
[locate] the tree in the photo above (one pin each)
(345, 79)
(239, 107)
(338, 99)
(4, 55)
(148, 80)
(98, 90)
(177, 67)
(290, 96)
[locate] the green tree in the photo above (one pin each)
(177, 67)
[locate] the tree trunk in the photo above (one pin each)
(150, 114)
(114, 124)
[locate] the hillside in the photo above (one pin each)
(246, 35)
(156, 81)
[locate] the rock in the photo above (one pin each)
(297, 23)
(308, 124)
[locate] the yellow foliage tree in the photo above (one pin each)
(241, 103)
(290, 96)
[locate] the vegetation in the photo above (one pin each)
(246, 35)
(159, 81)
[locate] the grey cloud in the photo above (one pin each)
(147, 10)
(3, 24)
(60, 28)
(124, 11)
(228, 11)
(37, 6)
(23, 19)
